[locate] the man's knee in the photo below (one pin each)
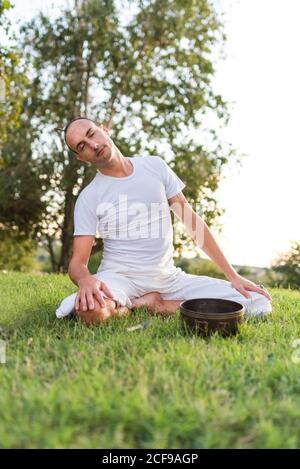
(99, 313)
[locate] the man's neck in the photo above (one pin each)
(119, 166)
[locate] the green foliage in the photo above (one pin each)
(17, 197)
(244, 271)
(12, 80)
(21, 187)
(199, 266)
(287, 266)
(4, 5)
(95, 261)
(148, 80)
(17, 252)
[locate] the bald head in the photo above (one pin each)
(88, 140)
(70, 124)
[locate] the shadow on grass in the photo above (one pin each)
(40, 320)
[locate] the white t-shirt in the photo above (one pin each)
(132, 215)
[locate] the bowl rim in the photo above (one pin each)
(212, 315)
(220, 317)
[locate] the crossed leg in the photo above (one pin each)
(152, 300)
(187, 286)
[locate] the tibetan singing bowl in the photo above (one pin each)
(204, 316)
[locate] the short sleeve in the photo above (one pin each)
(85, 218)
(173, 184)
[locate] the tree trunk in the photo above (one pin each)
(67, 226)
(67, 232)
(52, 255)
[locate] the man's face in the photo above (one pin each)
(92, 143)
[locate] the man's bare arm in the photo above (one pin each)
(82, 248)
(201, 234)
(89, 286)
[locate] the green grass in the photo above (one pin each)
(68, 385)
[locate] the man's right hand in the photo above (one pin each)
(90, 288)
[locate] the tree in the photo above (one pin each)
(16, 252)
(148, 80)
(12, 79)
(287, 265)
(199, 266)
(16, 248)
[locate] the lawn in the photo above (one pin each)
(66, 385)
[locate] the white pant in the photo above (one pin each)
(176, 286)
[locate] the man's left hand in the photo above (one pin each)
(243, 285)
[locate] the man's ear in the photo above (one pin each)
(103, 127)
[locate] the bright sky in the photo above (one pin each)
(261, 74)
(261, 77)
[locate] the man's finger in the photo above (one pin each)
(241, 290)
(83, 301)
(244, 293)
(99, 297)
(106, 290)
(77, 302)
(262, 291)
(266, 294)
(90, 301)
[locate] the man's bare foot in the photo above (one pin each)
(151, 300)
(102, 313)
(156, 304)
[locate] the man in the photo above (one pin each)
(128, 203)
